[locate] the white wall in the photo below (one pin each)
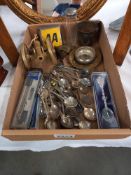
(48, 6)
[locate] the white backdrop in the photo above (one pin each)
(111, 11)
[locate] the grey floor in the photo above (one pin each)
(67, 161)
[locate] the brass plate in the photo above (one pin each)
(91, 66)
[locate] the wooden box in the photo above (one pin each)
(44, 134)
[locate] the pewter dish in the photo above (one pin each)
(85, 55)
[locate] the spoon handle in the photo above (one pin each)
(50, 94)
(44, 104)
(100, 81)
(58, 95)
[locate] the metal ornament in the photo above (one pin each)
(89, 114)
(63, 50)
(85, 82)
(25, 56)
(86, 100)
(84, 124)
(66, 121)
(85, 55)
(69, 102)
(54, 111)
(88, 32)
(52, 124)
(107, 113)
(64, 83)
(105, 105)
(51, 51)
(90, 66)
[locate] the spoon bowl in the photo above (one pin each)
(70, 102)
(51, 124)
(66, 121)
(54, 111)
(89, 114)
(83, 124)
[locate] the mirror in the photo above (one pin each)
(57, 7)
(26, 9)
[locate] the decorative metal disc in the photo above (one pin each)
(90, 66)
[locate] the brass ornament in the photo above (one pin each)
(51, 51)
(90, 66)
(25, 56)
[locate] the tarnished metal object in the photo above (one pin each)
(88, 33)
(51, 51)
(90, 66)
(85, 55)
(38, 51)
(25, 56)
(66, 121)
(51, 124)
(63, 50)
(89, 114)
(83, 124)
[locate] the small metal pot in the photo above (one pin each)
(88, 33)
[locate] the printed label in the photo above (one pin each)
(54, 34)
(64, 136)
